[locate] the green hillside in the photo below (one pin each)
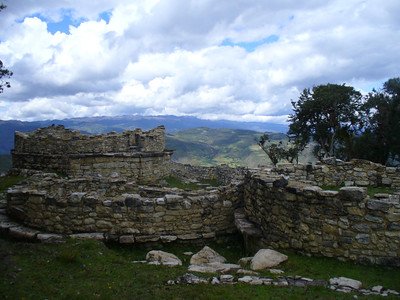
(208, 146)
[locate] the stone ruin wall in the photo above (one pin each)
(347, 224)
(59, 140)
(136, 154)
(356, 172)
(224, 174)
(123, 211)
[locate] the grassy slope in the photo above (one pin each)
(89, 269)
(209, 146)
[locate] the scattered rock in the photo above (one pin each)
(247, 279)
(276, 271)
(281, 282)
(226, 278)
(345, 282)
(188, 253)
(88, 236)
(214, 268)
(215, 280)
(341, 284)
(22, 232)
(392, 292)
(189, 278)
(163, 258)
(139, 262)
(171, 282)
(245, 261)
(206, 256)
(50, 238)
(377, 288)
(266, 258)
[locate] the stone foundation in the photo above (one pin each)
(119, 208)
(347, 224)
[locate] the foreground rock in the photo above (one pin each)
(158, 257)
(298, 281)
(206, 256)
(346, 282)
(214, 267)
(188, 278)
(266, 258)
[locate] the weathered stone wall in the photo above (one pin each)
(55, 140)
(136, 155)
(224, 174)
(141, 167)
(336, 173)
(347, 224)
(121, 209)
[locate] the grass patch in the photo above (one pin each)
(92, 270)
(175, 182)
(9, 181)
(371, 190)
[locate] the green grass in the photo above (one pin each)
(371, 190)
(175, 182)
(8, 181)
(380, 190)
(91, 270)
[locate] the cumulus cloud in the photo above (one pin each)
(208, 59)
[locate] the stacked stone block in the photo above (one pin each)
(135, 154)
(347, 224)
(123, 210)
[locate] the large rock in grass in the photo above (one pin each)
(267, 258)
(158, 257)
(346, 282)
(206, 256)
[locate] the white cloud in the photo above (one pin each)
(166, 57)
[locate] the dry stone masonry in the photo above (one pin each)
(113, 189)
(332, 172)
(347, 224)
(122, 210)
(135, 154)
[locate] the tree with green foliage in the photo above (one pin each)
(276, 151)
(4, 73)
(330, 116)
(380, 141)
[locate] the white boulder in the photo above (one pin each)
(159, 257)
(266, 258)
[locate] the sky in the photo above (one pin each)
(243, 60)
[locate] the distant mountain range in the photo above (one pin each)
(96, 125)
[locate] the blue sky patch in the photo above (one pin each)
(63, 25)
(105, 15)
(251, 46)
